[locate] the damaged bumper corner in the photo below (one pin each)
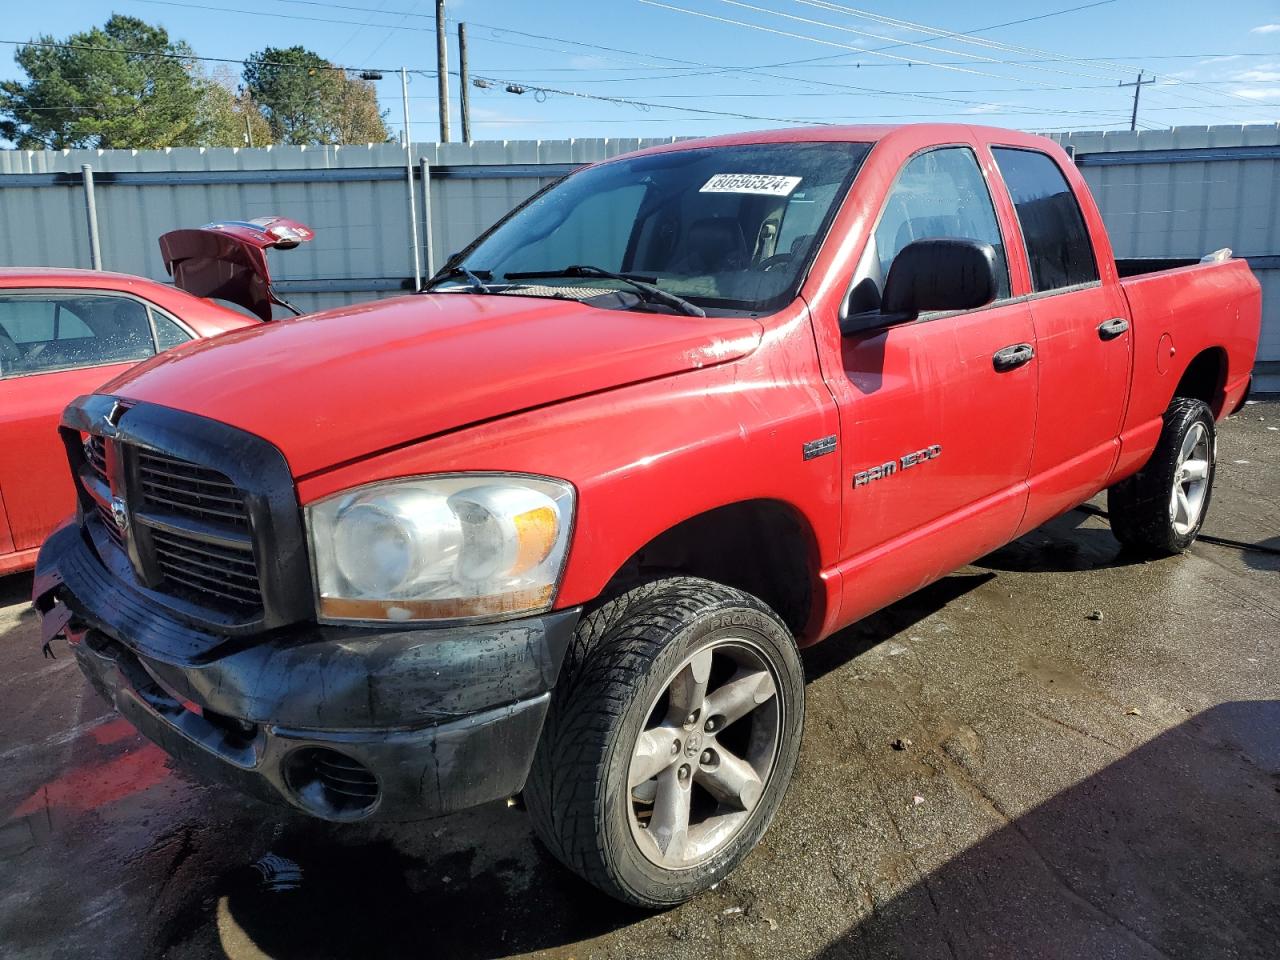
(343, 723)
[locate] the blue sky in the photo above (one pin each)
(771, 61)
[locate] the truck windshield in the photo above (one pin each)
(728, 228)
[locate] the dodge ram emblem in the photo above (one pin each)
(119, 513)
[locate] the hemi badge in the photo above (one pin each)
(816, 448)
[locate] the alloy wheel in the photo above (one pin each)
(1190, 480)
(700, 765)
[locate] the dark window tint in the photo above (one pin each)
(939, 194)
(1058, 243)
(42, 332)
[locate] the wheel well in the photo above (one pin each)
(761, 546)
(1205, 379)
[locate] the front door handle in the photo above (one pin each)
(1011, 358)
(1115, 327)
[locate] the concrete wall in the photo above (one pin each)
(1178, 193)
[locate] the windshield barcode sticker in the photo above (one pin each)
(768, 184)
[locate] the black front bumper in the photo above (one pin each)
(440, 719)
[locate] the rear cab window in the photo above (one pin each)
(1058, 244)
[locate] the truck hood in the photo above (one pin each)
(335, 386)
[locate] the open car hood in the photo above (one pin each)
(228, 261)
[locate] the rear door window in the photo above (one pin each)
(1058, 244)
(46, 332)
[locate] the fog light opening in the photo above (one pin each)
(330, 784)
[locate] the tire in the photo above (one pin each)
(1144, 510)
(632, 667)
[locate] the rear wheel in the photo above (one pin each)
(1159, 510)
(670, 740)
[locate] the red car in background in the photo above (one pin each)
(63, 333)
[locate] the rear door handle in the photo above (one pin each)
(1115, 327)
(1012, 357)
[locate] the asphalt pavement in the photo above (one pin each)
(1057, 751)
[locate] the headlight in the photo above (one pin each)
(440, 548)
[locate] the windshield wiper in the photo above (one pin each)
(475, 280)
(642, 285)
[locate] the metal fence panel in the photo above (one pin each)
(353, 196)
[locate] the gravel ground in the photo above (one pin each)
(1089, 767)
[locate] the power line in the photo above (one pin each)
(546, 91)
(524, 87)
(797, 36)
(994, 44)
(878, 51)
(813, 63)
(801, 36)
(100, 48)
(508, 30)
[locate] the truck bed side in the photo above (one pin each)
(1196, 326)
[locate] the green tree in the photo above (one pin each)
(229, 118)
(122, 85)
(307, 100)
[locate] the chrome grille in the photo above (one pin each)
(171, 485)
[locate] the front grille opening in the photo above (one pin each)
(205, 571)
(95, 453)
(330, 784)
(109, 524)
(175, 486)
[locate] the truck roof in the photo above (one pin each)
(864, 133)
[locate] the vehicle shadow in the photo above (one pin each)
(1265, 558)
(15, 588)
(1063, 545)
(15, 591)
(329, 892)
(1168, 852)
(850, 643)
(1172, 851)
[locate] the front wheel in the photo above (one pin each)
(1159, 510)
(670, 740)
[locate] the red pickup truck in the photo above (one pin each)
(559, 525)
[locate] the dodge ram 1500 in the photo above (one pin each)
(558, 525)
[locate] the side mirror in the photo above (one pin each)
(940, 274)
(943, 273)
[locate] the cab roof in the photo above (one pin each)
(861, 133)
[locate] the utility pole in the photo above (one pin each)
(1137, 90)
(464, 78)
(442, 70)
(408, 172)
